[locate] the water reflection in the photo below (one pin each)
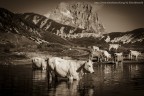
(15, 80)
(108, 80)
(64, 88)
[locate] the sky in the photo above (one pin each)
(116, 16)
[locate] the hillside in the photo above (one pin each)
(50, 25)
(131, 37)
(14, 23)
(134, 38)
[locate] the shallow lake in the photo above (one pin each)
(108, 80)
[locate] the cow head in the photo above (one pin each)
(89, 66)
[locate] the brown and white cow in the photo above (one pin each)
(71, 69)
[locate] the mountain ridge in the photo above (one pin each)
(24, 24)
(10, 22)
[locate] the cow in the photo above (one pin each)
(107, 55)
(101, 55)
(134, 54)
(95, 48)
(118, 57)
(71, 69)
(39, 63)
(98, 55)
(114, 46)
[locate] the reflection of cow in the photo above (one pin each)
(39, 76)
(71, 69)
(114, 46)
(118, 57)
(134, 54)
(64, 88)
(39, 63)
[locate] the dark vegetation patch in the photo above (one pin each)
(7, 58)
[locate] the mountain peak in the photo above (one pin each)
(79, 14)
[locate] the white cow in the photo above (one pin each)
(114, 46)
(71, 69)
(118, 57)
(101, 55)
(39, 63)
(106, 55)
(134, 54)
(95, 48)
(98, 55)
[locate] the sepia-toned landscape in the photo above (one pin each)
(74, 49)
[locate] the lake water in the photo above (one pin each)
(108, 80)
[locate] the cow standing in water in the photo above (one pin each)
(114, 46)
(39, 63)
(101, 55)
(118, 57)
(97, 54)
(134, 54)
(71, 69)
(107, 55)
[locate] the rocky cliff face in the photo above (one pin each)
(79, 15)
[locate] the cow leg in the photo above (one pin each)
(43, 68)
(73, 75)
(136, 58)
(129, 56)
(106, 59)
(49, 76)
(70, 78)
(55, 76)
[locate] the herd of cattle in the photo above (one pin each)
(114, 56)
(75, 69)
